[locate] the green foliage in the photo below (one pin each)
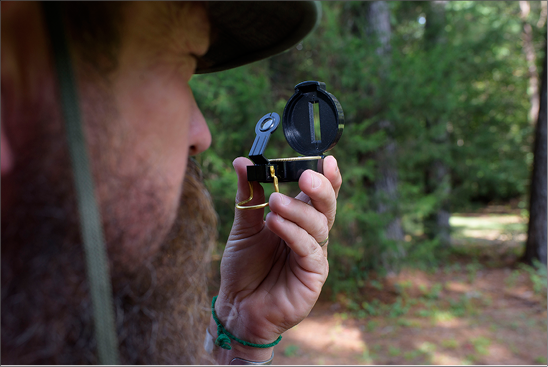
(372, 325)
(372, 308)
(511, 279)
(434, 291)
(427, 347)
(481, 345)
(462, 306)
(398, 309)
(541, 360)
(472, 269)
(411, 355)
(393, 351)
(537, 276)
(291, 350)
(450, 343)
(469, 86)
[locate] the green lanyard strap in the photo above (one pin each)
(90, 219)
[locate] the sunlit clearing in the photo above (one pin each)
(324, 337)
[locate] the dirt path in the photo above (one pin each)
(456, 316)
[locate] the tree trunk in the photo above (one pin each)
(436, 225)
(437, 175)
(535, 247)
(529, 52)
(386, 182)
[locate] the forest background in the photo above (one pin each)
(440, 102)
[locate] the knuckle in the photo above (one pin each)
(323, 228)
(325, 224)
(339, 181)
(333, 213)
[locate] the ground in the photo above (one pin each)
(447, 317)
(482, 307)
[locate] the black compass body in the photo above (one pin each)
(313, 122)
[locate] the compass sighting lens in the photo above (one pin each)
(267, 124)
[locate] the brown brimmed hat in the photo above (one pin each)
(246, 31)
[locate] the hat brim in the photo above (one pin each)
(246, 31)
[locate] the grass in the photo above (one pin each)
(439, 316)
(502, 223)
(427, 347)
(472, 271)
(487, 229)
(512, 279)
(541, 360)
(537, 276)
(433, 292)
(376, 284)
(291, 350)
(372, 325)
(412, 323)
(412, 354)
(366, 357)
(397, 309)
(450, 343)
(393, 351)
(481, 345)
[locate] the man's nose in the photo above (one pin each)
(199, 134)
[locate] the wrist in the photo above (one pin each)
(245, 322)
(224, 356)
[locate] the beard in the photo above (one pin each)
(160, 302)
(161, 308)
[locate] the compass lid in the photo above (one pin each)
(299, 125)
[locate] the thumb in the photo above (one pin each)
(250, 221)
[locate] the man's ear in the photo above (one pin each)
(5, 149)
(6, 155)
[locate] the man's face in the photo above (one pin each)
(141, 123)
(154, 125)
(140, 117)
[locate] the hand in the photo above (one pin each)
(272, 271)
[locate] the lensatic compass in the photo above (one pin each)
(313, 122)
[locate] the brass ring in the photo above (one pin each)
(241, 206)
(324, 242)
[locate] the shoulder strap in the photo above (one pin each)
(90, 219)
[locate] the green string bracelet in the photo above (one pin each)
(224, 336)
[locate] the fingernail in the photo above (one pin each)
(279, 218)
(315, 181)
